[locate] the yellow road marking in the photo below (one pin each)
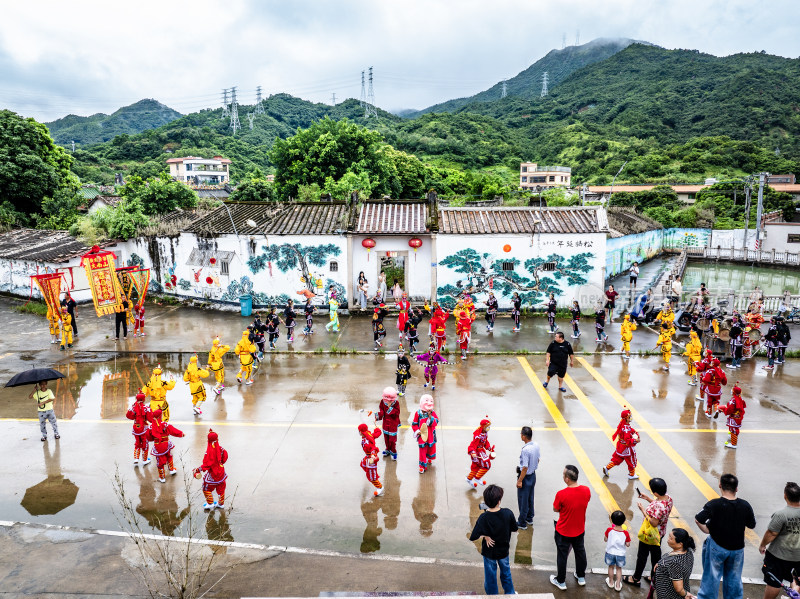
(609, 431)
(673, 455)
(589, 470)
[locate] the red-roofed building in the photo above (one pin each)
(200, 171)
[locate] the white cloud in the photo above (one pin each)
(88, 56)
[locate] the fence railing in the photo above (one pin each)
(741, 255)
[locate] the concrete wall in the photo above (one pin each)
(418, 266)
(474, 263)
(621, 252)
(777, 237)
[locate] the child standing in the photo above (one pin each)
(552, 306)
(411, 329)
(626, 334)
(576, 319)
(403, 371)
(665, 342)
(431, 359)
(309, 311)
(138, 319)
(600, 325)
(53, 319)
(389, 414)
(617, 540)
(734, 410)
(289, 315)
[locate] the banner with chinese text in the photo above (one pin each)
(141, 281)
(50, 286)
(125, 280)
(103, 281)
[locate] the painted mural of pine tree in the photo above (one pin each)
(295, 256)
(540, 277)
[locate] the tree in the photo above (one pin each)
(159, 195)
(254, 190)
(121, 222)
(32, 166)
(59, 212)
(350, 182)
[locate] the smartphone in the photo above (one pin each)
(638, 492)
(483, 506)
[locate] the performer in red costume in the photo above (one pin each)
(627, 438)
(159, 433)
(404, 305)
(439, 328)
(369, 463)
(464, 332)
(389, 414)
(701, 367)
(142, 417)
(734, 410)
(138, 319)
(424, 427)
(482, 454)
(713, 378)
(213, 472)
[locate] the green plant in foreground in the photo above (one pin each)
(38, 308)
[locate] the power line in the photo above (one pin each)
(370, 106)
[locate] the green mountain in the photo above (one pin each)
(558, 64)
(89, 130)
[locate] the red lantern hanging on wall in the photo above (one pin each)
(415, 243)
(368, 243)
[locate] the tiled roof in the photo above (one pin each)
(290, 218)
(378, 218)
(40, 245)
(109, 200)
(216, 194)
(467, 221)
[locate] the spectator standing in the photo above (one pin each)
(611, 302)
(657, 513)
(494, 528)
(44, 402)
(122, 318)
(362, 289)
(382, 289)
(634, 274)
(70, 305)
(781, 543)
(559, 352)
(526, 477)
(397, 291)
(677, 291)
(617, 542)
(671, 573)
(570, 503)
(724, 519)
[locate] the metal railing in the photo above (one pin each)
(741, 255)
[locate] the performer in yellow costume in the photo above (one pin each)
(216, 365)
(52, 318)
(626, 334)
(667, 316)
(156, 389)
(66, 329)
(665, 341)
(194, 376)
(693, 353)
(245, 350)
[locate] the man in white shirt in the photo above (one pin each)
(677, 290)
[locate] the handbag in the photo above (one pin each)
(648, 534)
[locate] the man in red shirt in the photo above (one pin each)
(570, 503)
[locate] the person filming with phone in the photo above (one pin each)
(655, 511)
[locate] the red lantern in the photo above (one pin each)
(369, 244)
(415, 243)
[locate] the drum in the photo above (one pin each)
(755, 335)
(725, 334)
(703, 324)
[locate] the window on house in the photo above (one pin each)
(223, 268)
(524, 179)
(524, 169)
(188, 167)
(506, 266)
(334, 266)
(549, 266)
(553, 178)
(793, 238)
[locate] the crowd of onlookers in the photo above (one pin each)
(724, 520)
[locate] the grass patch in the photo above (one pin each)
(37, 308)
(319, 350)
(792, 353)
(167, 300)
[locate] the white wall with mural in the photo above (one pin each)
(569, 266)
(679, 238)
(15, 277)
(621, 252)
(418, 264)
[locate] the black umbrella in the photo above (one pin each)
(33, 376)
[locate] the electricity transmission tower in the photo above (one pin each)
(225, 111)
(251, 117)
(333, 99)
(544, 84)
(259, 105)
(563, 41)
(235, 124)
(578, 37)
(363, 98)
(370, 109)
(504, 91)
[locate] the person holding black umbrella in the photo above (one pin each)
(44, 400)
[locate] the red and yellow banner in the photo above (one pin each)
(50, 286)
(123, 272)
(103, 281)
(141, 281)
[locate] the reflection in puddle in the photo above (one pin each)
(54, 493)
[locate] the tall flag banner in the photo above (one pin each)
(141, 281)
(103, 281)
(123, 273)
(50, 286)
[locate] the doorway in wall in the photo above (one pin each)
(393, 265)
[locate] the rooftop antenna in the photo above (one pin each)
(225, 111)
(370, 106)
(504, 91)
(235, 124)
(259, 105)
(544, 84)
(363, 98)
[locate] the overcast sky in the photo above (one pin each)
(87, 56)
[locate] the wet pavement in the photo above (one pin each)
(294, 473)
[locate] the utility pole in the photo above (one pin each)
(747, 190)
(611, 192)
(235, 124)
(333, 99)
(251, 117)
(504, 91)
(225, 111)
(762, 178)
(259, 105)
(584, 191)
(363, 98)
(544, 85)
(370, 106)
